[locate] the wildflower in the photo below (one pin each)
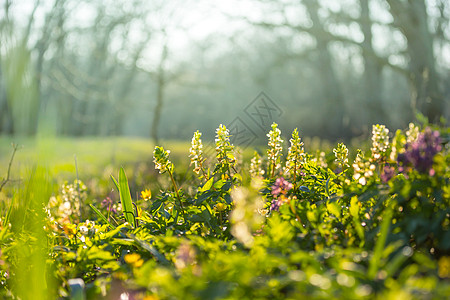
(341, 154)
(134, 260)
(255, 166)
(224, 149)
(412, 133)
(221, 206)
(69, 229)
(380, 141)
(387, 173)
(275, 204)
(161, 160)
(296, 155)
(421, 152)
(274, 152)
(109, 205)
(146, 194)
(196, 152)
(281, 187)
(83, 230)
(319, 159)
(398, 144)
(279, 191)
(363, 169)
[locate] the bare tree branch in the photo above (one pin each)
(7, 179)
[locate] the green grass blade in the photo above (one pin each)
(8, 214)
(125, 198)
(102, 216)
(146, 246)
(374, 264)
(115, 182)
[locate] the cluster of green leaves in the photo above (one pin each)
(307, 231)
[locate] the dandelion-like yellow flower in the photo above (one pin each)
(220, 206)
(146, 194)
(134, 260)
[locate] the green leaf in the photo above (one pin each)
(115, 182)
(102, 216)
(238, 177)
(207, 186)
(125, 198)
(226, 186)
(146, 246)
(334, 208)
(354, 207)
(218, 185)
(203, 197)
(312, 216)
(374, 263)
(354, 212)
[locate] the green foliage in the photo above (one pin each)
(315, 233)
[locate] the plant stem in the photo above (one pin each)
(178, 195)
(15, 147)
(295, 179)
(294, 212)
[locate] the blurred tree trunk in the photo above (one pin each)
(335, 109)
(6, 119)
(57, 12)
(372, 70)
(161, 83)
(125, 89)
(34, 100)
(412, 20)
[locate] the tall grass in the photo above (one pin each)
(30, 274)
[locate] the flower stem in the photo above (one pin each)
(178, 195)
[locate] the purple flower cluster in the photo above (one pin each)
(421, 152)
(275, 204)
(279, 189)
(387, 173)
(108, 204)
(282, 186)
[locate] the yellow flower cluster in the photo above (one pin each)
(134, 260)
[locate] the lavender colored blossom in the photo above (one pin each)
(387, 173)
(279, 190)
(108, 204)
(275, 205)
(282, 186)
(420, 153)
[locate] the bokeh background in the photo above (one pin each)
(165, 68)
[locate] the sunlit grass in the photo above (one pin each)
(92, 154)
